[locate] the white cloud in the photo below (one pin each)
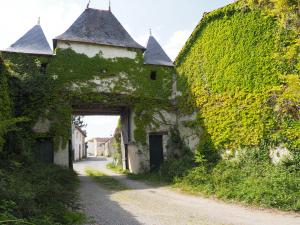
(17, 17)
(176, 43)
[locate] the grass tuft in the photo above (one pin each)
(108, 182)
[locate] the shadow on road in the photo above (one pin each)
(99, 207)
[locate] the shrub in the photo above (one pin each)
(38, 193)
(251, 179)
(176, 168)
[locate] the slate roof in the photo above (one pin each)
(33, 42)
(155, 55)
(102, 140)
(98, 27)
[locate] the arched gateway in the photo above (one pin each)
(98, 69)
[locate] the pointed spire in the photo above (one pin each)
(150, 31)
(33, 42)
(155, 55)
(39, 21)
(109, 7)
(88, 5)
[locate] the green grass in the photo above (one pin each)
(105, 181)
(153, 178)
(116, 169)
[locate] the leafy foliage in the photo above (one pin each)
(251, 179)
(75, 79)
(240, 68)
(78, 121)
(37, 193)
(240, 72)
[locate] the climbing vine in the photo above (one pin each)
(51, 92)
(240, 68)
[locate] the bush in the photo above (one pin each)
(251, 179)
(176, 168)
(38, 193)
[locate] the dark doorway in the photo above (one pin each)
(126, 158)
(156, 151)
(44, 151)
(71, 154)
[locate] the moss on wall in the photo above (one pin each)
(241, 72)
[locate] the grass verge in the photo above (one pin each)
(153, 178)
(104, 180)
(116, 169)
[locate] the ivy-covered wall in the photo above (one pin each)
(240, 68)
(71, 79)
(5, 103)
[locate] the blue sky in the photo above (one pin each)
(172, 22)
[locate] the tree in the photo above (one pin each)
(77, 121)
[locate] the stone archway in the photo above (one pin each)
(123, 111)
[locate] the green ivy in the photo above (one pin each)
(240, 71)
(72, 79)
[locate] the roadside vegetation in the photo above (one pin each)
(37, 194)
(251, 180)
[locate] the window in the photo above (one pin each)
(153, 75)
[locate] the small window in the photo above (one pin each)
(153, 75)
(43, 68)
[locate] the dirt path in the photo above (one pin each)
(143, 204)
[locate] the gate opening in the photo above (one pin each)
(105, 130)
(95, 136)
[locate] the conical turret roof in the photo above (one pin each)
(33, 42)
(155, 55)
(98, 27)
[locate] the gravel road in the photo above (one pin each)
(143, 204)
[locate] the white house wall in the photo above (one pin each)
(78, 139)
(92, 148)
(107, 52)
